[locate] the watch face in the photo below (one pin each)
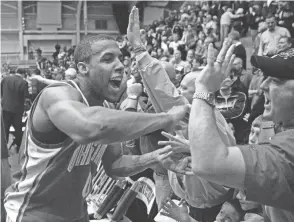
(210, 98)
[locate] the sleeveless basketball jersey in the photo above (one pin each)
(54, 179)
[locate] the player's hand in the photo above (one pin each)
(177, 113)
(216, 70)
(162, 154)
(133, 32)
(178, 142)
(135, 89)
(178, 213)
(178, 163)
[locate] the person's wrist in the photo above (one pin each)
(199, 87)
(133, 97)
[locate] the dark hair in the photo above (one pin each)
(270, 15)
(39, 51)
(171, 51)
(83, 51)
(20, 71)
(37, 72)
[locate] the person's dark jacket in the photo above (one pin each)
(14, 90)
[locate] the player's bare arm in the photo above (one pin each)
(63, 109)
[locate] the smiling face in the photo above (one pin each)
(279, 97)
(283, 44)
(106, 71)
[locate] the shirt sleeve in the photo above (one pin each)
(162, 93)
(268, 177)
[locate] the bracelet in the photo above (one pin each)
(133, 97)
(140, 48)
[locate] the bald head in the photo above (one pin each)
(187, 87)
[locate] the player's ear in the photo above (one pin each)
(83, 68)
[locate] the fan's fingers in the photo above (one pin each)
(171, 202)
(131, 19)
(229, 55)
(169, 136)
(167, 143)
(224, 49)
(136, 17)
(210, 56)
(164, 214)
(229, 67)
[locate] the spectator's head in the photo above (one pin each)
(229, 10)
(57, 74)
(180, 71)
(271, 22)
(127, 61)
(164, 38)
(57, 47)
(262, 26)
(201, 36)
(98, 61)
(21, 72)
(190, 55)
(38, 54)
(72, 58)
(237, 66)
(153, 54)
(230, 211)
(208, 18)
(164, 59)
(155, 42)
(36, 72)
(195, 64)
(235, 36)
(255, 130)
(176, 37)
(171, 51)
(284, 43)
(178, 55)
(278, 87)
(159, 52)
(187, 86)
(190, 27)
(70, 74)
(208, 40)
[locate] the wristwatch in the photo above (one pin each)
(140, 48)
(133, 97)
(208, 97)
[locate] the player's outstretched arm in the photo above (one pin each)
(98, 124)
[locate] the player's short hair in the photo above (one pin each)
(83, 51)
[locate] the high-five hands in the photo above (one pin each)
(178, 163)
(178, 143)
(133, 32)
(217, 69)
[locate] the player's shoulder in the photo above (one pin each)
(59, 92)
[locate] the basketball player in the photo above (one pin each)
(66, 130)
